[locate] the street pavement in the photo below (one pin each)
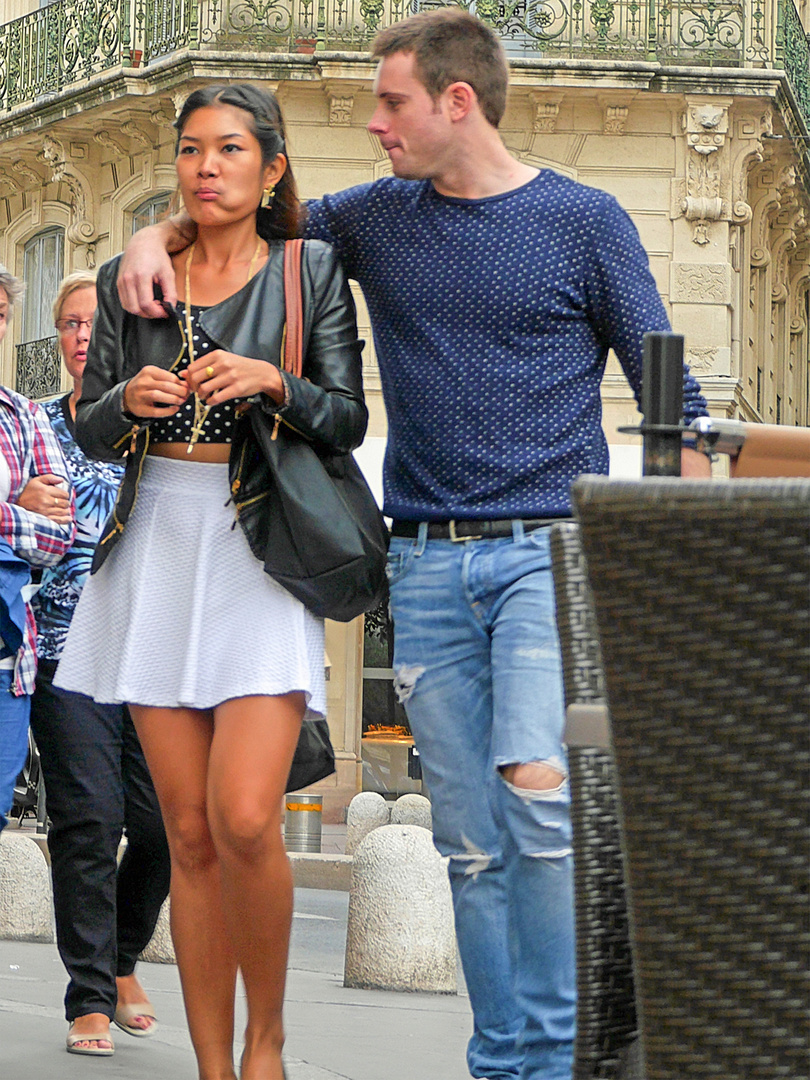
(332, 1033)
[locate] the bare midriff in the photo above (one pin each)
(208, 452)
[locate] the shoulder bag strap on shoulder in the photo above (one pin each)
(293, 301)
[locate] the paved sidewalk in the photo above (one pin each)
(332, 1033)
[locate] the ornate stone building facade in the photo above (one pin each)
(696, 116)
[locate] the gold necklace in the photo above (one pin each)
(201, 410)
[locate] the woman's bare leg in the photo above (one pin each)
(253, 746)
(177, 745)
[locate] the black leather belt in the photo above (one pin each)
(471, 530)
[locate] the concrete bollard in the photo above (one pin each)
(412, 809)
(400, 933)
(160, 949)
(367, 811)
(26, 909)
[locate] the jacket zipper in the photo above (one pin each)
(119, 525)
(278, 419)
(235, 486)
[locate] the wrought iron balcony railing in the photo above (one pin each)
(71, 40)
(39, 368)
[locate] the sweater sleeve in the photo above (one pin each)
(337, 220)
(625, 303)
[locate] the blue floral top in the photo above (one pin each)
(96, 486)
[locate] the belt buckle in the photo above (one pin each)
(460, 539)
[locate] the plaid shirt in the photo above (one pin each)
(30, 448)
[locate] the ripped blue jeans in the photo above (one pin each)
(477, 666)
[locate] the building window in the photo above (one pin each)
(759, 390)
(150, 212)
(42, 272)
(38, 365)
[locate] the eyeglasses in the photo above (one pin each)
(71, 326)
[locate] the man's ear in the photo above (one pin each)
(461, 100)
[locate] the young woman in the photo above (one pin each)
(217, 662)
(96, 776)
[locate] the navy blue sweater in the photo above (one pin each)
(492, 321)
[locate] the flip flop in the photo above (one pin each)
(125, 1014)
(90, 1051)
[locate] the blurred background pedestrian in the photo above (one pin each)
(36, 528)
(96, 778)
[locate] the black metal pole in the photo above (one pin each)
(662, 403)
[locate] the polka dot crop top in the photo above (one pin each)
(218, 427)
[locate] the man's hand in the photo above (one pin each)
(147, 263)
(695, 464)
(154, 392)
(47, 495)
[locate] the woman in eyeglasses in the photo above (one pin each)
(97, 780)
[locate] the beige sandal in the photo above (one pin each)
(91, 1051)
(125, 1014)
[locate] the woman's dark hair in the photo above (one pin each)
(279, 221)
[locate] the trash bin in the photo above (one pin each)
(302, 822)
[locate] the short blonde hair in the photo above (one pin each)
(81, 279)
(11, 286)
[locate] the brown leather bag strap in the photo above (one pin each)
(293, 302)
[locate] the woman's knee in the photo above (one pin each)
(245, 829)
(190, 841)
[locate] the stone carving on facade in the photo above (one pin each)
(615, 119)
(105, 139)
(340, 98)
(615, 107)
(81, 231)
(700, 283)
(799, 277)
(7, 180)
(341, 107)
(718, 159)
(138, 135)
(164, 117)
(546, 112)
(702, 358)
(788, 228)
(772, 190)
(179, 100)
(706, 130)
(747, 151)
(27, 175)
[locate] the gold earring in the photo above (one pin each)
(267, 196)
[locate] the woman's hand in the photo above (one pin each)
(154, 392)
(221, 376)
(47, 495)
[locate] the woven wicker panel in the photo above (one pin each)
(606, 1014)
(701, 591)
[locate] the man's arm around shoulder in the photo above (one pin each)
(146, 262)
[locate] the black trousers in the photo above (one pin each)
(98, 785)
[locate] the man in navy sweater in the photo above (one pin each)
(495, 292)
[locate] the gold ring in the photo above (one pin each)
(209, 371)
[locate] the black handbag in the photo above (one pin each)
(314, 757)
(309, 516)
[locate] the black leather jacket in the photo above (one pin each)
(326, 405)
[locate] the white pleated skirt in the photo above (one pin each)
(182, 614)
